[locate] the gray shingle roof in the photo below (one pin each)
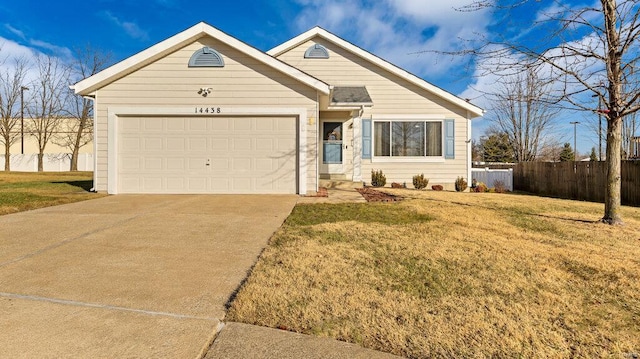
(351, 95)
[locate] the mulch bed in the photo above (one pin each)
(371, 195)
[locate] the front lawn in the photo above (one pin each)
(22, 191)
(454, 275)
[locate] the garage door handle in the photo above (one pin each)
(208, 162)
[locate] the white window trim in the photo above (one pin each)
(115, 112)
(406, 118)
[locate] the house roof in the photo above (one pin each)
(351, 95)
(161, 49)
(324, 34)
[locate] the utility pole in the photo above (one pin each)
(22, 90)
(575, 141)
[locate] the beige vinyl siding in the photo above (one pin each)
(242, 83)
(391, 95)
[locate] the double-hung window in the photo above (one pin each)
(417, 139)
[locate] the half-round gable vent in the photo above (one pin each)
(206, 57)
(316, 51)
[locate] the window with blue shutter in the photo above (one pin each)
(449, 139)
(366, 139)
(206, 57)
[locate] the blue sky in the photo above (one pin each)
(399, 31)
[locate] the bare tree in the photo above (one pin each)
(48, 101)
(517, 110)
(12, 77)
(78, 132)
(586, 46)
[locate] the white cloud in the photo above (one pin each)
(58, 51)
(15, 31)
(130, 28)
(408, 33)
(10, 51)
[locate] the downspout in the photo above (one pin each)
(318, 142)
(95, 142)
(469, 152)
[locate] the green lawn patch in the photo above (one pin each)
(21, 191)
(445, 274)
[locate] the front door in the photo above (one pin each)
(332, 148)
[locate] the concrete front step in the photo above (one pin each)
(334, 177)
(337, 184)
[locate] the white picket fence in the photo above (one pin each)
(490, 176)
(53, 162)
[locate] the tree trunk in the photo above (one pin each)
(7, 157)
(612, 198)
(76, 144)
(74, 159)
(40, 162)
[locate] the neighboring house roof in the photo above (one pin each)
(161, 49)
(320, 32)
(351, 95)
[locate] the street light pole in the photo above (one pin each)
(575, 141)
(22, 90)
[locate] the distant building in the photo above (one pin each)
(31, 141)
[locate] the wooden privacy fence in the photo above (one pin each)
(584, 181)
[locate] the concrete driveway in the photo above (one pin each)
(127, 275)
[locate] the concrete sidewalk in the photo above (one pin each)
(127, 276)
(248, 341)
(142, 277)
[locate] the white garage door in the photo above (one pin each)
(207, 155)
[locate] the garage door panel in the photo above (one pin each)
(175, 125)
(197, 184)
(197, 144)
(152, 164)
(264, 144)
(152, 144)
(241, 144)
(131, 163)
(176, 164)
(152, 124)
(176, 144)
(240, 125)
(266, 126)
(197, 124)
(197, 164)
(132, 184)
(219, 144)
(220, 165)
(284, 124)
(207, 155)
(241, 165)
(152, 183)
(131, 143)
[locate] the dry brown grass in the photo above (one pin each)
(454, 275)
(22, 191)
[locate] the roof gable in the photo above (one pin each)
(161, 49)
(326, 35)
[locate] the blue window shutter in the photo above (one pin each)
(366, 139)
(449, 139)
